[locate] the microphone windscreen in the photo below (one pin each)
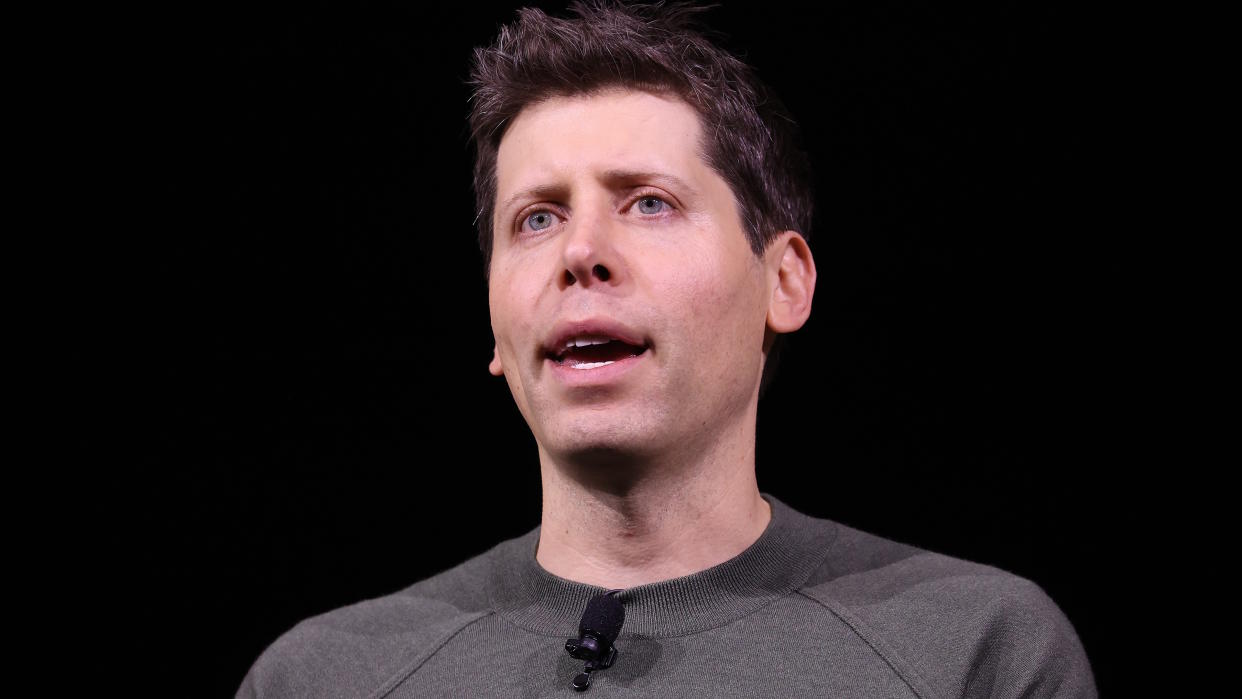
(604, 616)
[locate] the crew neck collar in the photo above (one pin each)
(777, 563)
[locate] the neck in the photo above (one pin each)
(660, 518)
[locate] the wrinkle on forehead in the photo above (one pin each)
(540, 174)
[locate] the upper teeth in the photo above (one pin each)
(584, 342)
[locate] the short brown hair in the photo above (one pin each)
(750, 139)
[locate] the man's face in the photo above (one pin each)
(607, 217)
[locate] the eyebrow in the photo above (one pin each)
(611, 178)
(619, 177)
(543, 191)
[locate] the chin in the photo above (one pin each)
(590, 442)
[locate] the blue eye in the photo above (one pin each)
(540, 220)
(651, 205)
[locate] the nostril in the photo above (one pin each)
(599, 271)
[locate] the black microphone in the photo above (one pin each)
(601, 622)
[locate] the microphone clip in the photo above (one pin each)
(583, 679)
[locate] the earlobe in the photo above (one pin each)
(793, 283)
(495, 367)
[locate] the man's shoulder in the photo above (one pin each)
(961, 627)
(864, 569)
(358, 648)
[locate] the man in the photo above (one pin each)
(643, 217)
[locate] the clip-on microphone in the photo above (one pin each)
(601, 622)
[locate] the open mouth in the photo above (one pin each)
(586, 353)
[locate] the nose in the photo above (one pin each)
(589, 255)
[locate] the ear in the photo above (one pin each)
(495, 367)
(791, 277)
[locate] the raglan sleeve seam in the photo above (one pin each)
(904, 670)
(413, 666)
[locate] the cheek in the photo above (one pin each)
(503, 332)
(511, 310)
(720, 310)
(512, 314)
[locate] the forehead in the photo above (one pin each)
(562, 138)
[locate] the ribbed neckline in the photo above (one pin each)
(777, 563)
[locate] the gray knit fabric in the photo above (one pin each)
(812, 608)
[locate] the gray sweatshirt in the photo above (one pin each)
(812, 608)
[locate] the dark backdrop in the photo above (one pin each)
(313, 334)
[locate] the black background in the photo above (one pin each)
(312, 328)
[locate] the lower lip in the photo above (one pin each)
(596, 376)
